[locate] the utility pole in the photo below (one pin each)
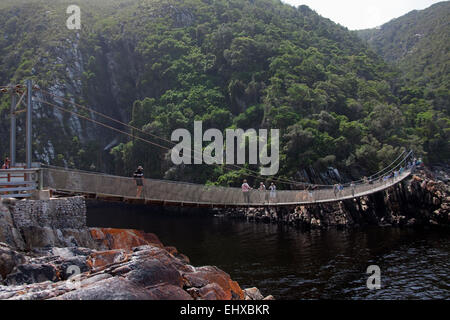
(12, 141)
(28, 124)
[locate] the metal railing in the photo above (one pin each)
(18, 182)
(103, 185)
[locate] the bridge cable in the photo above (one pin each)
(285, 181)
(126, 133)
(281, 180)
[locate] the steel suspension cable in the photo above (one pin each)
(280, 180)
(285, 181)
(126, 133)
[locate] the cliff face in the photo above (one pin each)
(422, 200)
(47, 252)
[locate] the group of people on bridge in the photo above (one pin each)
(264, 196)
(269, 194)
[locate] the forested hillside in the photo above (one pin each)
(418, 43)
(160, 65)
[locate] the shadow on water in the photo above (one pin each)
(293, 264)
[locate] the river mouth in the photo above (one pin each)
(293, 264)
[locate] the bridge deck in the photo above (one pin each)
(115, 188)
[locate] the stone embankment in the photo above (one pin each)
(423, 200)
(47, 252)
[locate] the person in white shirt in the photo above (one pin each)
(273, 192)
(246, 191)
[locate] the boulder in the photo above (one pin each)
(149, 272)
(32, 273)
(99, 260)
(127, 239)
(168, 292)
(9, 259)
(253, 294)
(212, 291)
(115, 288)
(205, 275)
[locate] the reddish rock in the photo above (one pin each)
(206, 275)
(98, 260)
(164, 256)
(212, 291)
(171, 250)
(126, 239)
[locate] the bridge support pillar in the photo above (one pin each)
(12, 141)
(28, 123)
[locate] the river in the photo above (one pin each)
(291, 264)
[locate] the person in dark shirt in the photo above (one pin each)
(6, 164)
(139, 178)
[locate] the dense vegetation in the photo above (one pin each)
(419, 45)
(230, 63)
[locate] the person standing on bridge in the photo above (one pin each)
(273, 193)
(262, 189)
(310, 192)
(341, 190)
(6, 164)
(352, 186)
(139, 178)
(246, 191)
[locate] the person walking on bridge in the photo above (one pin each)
(352, 186)
(262, 189)
(139, 178)
(246, 191)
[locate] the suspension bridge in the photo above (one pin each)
(26, 181)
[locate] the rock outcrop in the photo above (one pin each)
(422, 200)
(146, 272)
(44, 256)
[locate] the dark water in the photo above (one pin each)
(292, 264)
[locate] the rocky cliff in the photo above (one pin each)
(47, 252)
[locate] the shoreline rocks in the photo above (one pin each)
(71, 261)
(423, 200)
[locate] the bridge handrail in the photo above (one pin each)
(171, 191)
(19, 170)
(318, 187)
(381, 173)
(14, 188)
